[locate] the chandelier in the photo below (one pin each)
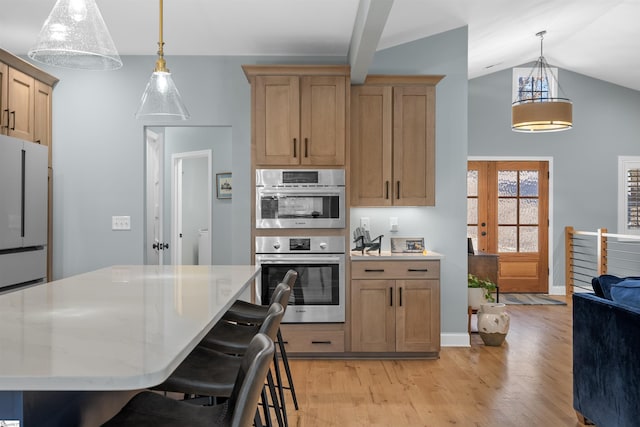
(536, 107)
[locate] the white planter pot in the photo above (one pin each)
(476, 297)
(493, 323)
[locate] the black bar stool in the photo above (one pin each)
(207, 372)
(149, 409)
(248, 313)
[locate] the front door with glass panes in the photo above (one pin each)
(508, 214)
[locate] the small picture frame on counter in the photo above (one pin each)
(407, 245)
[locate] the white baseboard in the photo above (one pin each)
(557, 290)
(455, 340)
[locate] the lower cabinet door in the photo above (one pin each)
(417, 322)
(373, 316)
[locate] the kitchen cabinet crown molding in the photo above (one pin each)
(295, 70)
(399, 80)
(27, 68)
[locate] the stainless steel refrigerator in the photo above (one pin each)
(23, 212)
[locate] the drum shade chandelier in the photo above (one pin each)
(161, 99)
(541, 110)
(75, 36)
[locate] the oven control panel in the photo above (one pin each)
(291, 245)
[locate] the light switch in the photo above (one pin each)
(364, 223)
(393, 223)
(121, 222)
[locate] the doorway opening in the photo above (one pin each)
(181, 163)
(508, 205)
(191, 189)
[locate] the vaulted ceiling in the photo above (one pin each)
(598, 38)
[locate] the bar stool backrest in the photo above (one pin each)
(272, 322)
(249, 382)
(278, 293)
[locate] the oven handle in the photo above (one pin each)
(287, 259)
(301, 192)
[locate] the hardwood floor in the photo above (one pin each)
(525, 382)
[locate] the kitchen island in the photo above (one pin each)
(74, 350)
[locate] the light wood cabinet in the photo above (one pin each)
(395, 306)
(299, 114)
(42, 115)
(313, 338)
(393, 141)
(19, 116)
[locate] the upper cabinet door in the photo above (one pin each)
(42, 130)
(277, 120)
(323, 120)
(4, 98)
(21, 105)
(414, 146)
(371, 145)
(300, 120)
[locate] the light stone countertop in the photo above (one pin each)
(118, 328)
(387, 255)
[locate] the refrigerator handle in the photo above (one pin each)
(22, 199)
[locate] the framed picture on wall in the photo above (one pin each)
(223, 185)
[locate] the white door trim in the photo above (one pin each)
(154, 196)
(553, 290)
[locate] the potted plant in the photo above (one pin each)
(480, 291)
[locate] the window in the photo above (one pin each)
(629, 195)
(529, 86)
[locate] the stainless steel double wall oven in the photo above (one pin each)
(296, 200)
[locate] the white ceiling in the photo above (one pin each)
(598, 38)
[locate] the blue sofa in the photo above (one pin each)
(606, 361)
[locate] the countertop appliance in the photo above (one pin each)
(318, 295)
(300, 198)
(23, 211)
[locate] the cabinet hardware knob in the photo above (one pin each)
(295, 144)
(374, 270)
(13, 113)
(386, 183)
(398, 190)
(400, 297)
(390, 297)
(484, 233)
(320, 342)
(306, 147)
(418, 269)
(7, 111)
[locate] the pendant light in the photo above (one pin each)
(543, 111)
(161, 99)
(75, 36)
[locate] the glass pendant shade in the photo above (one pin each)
(75, 36)
(161, 99)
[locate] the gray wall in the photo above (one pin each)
(606, 125)
(443, 226)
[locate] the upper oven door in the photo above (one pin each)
(300, 207)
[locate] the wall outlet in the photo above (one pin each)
(364, 223)
(121, 223)
(393, 223)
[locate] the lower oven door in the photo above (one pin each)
(318, 295)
